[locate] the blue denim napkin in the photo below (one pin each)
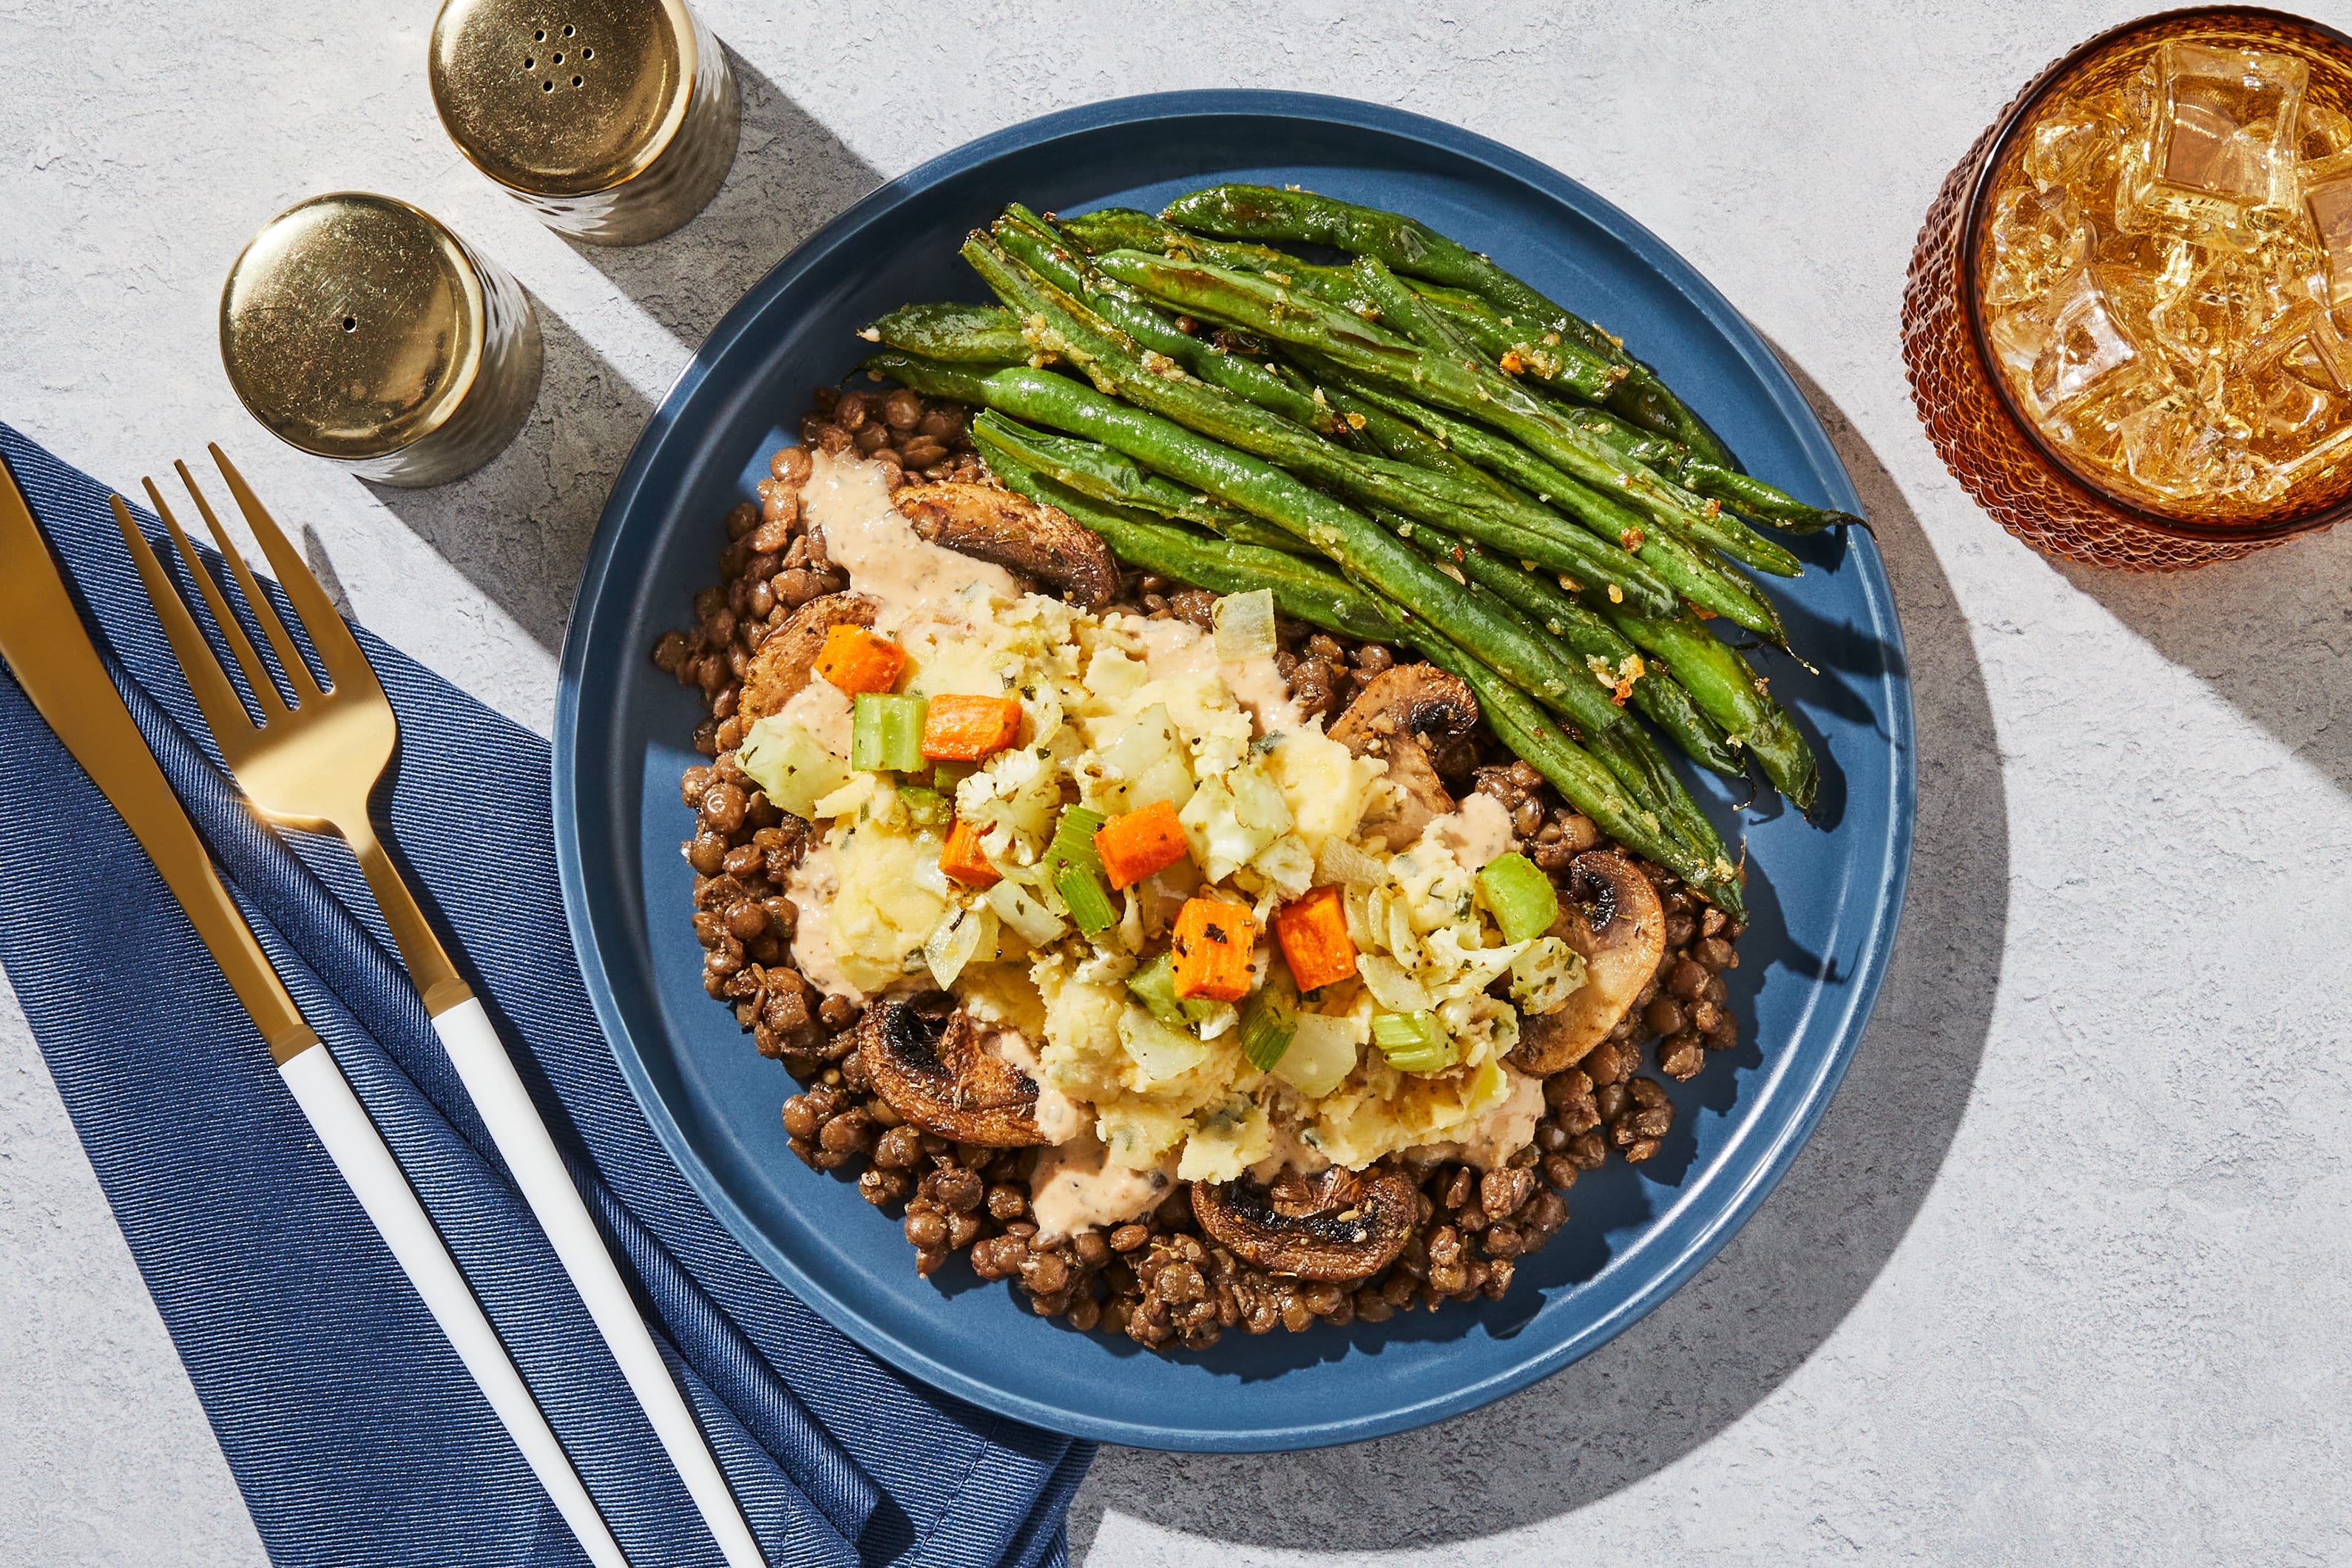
(355, 1435)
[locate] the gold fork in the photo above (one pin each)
(313, 764)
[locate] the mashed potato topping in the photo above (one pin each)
(1120, 712)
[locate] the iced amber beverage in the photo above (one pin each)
(2164, 275)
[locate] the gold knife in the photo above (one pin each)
(50, 652)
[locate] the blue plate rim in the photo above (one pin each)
(1815, 1092)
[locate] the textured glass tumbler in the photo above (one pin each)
(1987, 441)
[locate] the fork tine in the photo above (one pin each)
(297, 672)
(207, 678)
(338, 649)
(264, 691)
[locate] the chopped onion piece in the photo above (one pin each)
(1391, 984)
(1322, 1054)
(961, 937)
(1343, 865)
(1244, 626)
(1030, 920)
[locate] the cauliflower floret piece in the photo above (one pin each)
(1081, 1056)
(1328, 788)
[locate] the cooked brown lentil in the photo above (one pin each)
(1155, 1279)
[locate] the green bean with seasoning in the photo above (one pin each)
(1306, 590)
(1116, 365)
(1263, 213)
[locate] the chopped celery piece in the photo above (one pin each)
(794, 766)
(902, 730)
(1154, 986)
(1268, 1028)
(925, 807)
(886, 733)
(1073, 845)
(1091, 910)
(1413, 1042)
(1520, 897)
(950, 774)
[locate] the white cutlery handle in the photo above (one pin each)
(498, 1092)
(359, 1152)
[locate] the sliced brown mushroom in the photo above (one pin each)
(1013, 531)
(930, 1060)
(1404, 715)
(1616, 923)
(1335, 1226)
(783, 665)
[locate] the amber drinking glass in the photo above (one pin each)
(1991, 444)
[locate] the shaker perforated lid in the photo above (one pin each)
(563, 97)
(353, 325)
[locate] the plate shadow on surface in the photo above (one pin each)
(1719, 1345)
(518, 527)
(792, 176)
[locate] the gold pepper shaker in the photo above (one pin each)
(360, 328)
(615, 120)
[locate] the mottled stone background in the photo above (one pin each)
(2062, 1278)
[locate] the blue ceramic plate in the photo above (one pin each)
(1825, 896)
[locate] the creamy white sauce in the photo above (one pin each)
(1290, 1153)
(869, 538)
(1174, 648)
(822, 710)
(811, 888)
(1076, 1185)
(1501, 1132)
(1060, 1116)
(1477, 831)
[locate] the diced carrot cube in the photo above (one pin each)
(962, 857)
(1313, 933)
(858, 660)
(1135, 846)
(1211, 950)
(966, 728)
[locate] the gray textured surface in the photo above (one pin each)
(2063, 1276)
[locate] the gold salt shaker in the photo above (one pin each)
(616, 121)
(360, 329)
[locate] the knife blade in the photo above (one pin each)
(49, 651)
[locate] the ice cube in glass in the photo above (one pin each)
(2327, 203)
(2217, 158)
(2085, 341)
